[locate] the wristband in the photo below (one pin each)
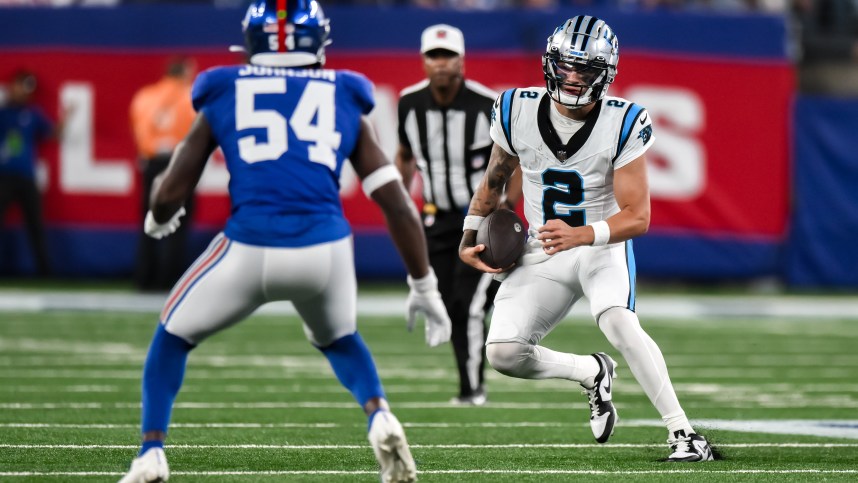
(427, 283)
(601, 232)
(473, 222)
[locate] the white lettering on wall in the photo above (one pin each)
(80, 172)
(677, 160)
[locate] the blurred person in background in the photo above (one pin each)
(828, 33)
(22, 127)
(161, 115)
(286, 127)
(444, 134)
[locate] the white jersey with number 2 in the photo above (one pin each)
(572, 181)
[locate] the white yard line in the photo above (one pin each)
(833, 428)
(771, 401)
(173, 447)
(30, 353)
(498, 386)
(389, 373)
(447, 472)
(661, 306)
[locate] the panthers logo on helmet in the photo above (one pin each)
(580, 61)
(645, 133)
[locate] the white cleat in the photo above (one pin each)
(391, 449)
(603, 415)
(689, 449)
(149, 467)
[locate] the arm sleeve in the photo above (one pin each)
(635, 137)
(501, 122)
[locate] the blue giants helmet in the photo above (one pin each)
(286, 33)
(587, 47)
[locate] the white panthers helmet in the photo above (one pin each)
(587, 46)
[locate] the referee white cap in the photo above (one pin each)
(442, 36)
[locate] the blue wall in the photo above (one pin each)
(822, 249)
(760, 37)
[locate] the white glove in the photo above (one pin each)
(158, 230)
(425, 298)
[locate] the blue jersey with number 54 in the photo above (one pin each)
(285, 134)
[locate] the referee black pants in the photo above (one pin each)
(160, 263)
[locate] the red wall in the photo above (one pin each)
(719, 166)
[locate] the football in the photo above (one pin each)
(504, 235)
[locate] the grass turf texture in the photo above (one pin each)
(260, 404)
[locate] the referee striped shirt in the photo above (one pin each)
(451, 144)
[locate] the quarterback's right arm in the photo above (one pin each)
(487, 198)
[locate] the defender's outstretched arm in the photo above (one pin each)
(383, 183)
(176, 184)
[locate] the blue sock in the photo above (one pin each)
(162, 379)
(147, 445)
(354, 367)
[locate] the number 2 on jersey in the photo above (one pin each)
(563, 189)
(317, 101)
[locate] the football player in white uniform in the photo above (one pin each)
(586, 196)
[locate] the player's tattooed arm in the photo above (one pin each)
(489, 193)
(487, 198)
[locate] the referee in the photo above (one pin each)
(444, 133)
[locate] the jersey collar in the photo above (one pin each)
(549, 135)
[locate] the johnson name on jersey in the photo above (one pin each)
(285, 134)
(572, 181)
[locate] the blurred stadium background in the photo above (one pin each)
(753, 179)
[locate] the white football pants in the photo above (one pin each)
(230, 280)
(533, 299)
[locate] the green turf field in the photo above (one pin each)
(260, 404)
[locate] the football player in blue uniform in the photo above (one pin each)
(285, 125)
(582, 158)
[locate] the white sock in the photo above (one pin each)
(677, 422)
(624, 332)
(536, 362)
